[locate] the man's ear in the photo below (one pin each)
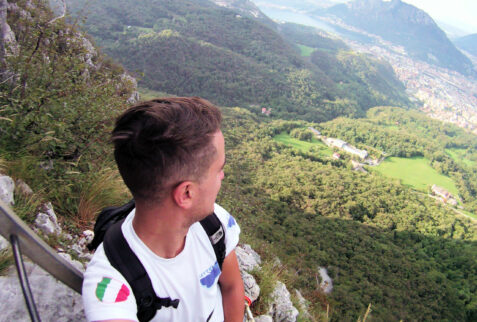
(183, 194)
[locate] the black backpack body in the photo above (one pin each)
(107, 230)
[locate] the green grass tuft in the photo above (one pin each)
(100, 189)
(266, 277)
(6, 260)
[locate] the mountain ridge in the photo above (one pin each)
(467, 43)
(405, 25)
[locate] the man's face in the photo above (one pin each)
(210, 184)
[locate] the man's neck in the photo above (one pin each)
(161, 228)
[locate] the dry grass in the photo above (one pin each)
(26, 206)
(6, 260)
(102, 189)
(366, 315)
(3, 166)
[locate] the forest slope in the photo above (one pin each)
(197, 48)
(383, 243)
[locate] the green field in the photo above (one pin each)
(306, 51)
(304, 146)
(415, 172)
(458, 155)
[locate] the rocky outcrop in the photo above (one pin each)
(281, 308)
(23, 188)
(127, 79)
(46, 220)
(263, 318)
(248, 260)
(7, 37)
(326, 284)
(7, 186)
(3, 243)
(303, 306)
(54, 300)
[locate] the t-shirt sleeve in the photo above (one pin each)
(106, 294)
(232, 229)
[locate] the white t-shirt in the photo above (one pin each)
(192, 277)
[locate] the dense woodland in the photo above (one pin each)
(383, 243)
(197, 48)
(407, 133)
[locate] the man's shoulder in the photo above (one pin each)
(224, 216)
(232, 229)
(106, 293)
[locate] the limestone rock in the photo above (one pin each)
(128, 80)
(252, 290)
(7, 186)
(326, 284)
(54, 300)
(77, 249)
(75, 263)
(7, 37)
(47, 221)
(248, 259)
(90, 50)
(85, 238)
(23, 188)
(3, 243)
(303, 305)
(263, 318)
(281, 308)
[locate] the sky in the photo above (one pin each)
(458, 13)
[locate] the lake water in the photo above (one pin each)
(296, 17)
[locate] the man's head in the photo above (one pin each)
(160, 143)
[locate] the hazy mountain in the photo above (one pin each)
(245, 7)
(404, 25)
(467, 43)
(452, 31)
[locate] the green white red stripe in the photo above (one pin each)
(110, 290)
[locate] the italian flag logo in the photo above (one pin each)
(110, 290)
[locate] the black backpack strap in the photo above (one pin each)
(122, 258)
(215, 231)
(106, 218)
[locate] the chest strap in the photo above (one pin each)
(127, 263)
(122, 258)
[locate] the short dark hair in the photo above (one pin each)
(163, 142)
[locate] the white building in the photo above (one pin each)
(351, 149)
(337, 143)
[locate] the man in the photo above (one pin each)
(170, 153)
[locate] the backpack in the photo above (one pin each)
(107, 229)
